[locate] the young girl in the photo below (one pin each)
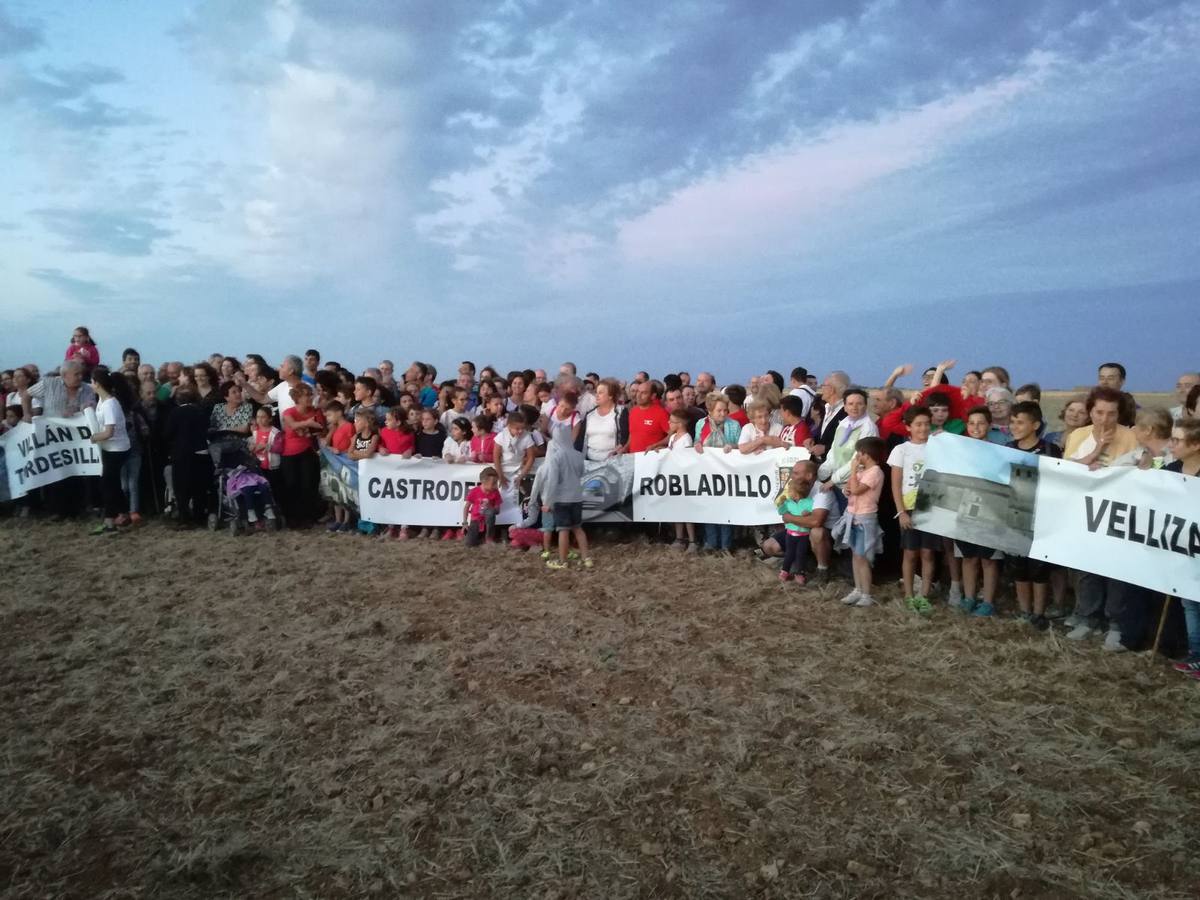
(795, 551)
(115, 399)
(266, 442)
(457, 448)
(495, 409)
(397, 439)
(431, 439)
(566, 416)
(975, 557)
(679, 439)
(1185, 447)
(483, 439)
(859, 526)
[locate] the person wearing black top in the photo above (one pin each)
(191, 466)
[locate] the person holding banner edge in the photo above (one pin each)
(112, 437)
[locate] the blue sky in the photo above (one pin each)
(730, 186)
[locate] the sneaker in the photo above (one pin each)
(448, 534)
(851, 598)
(693, 548)
(555, 564)
(571, 554)
(103, 529)
(1194, 675)
(1112, 642)
(402, 534)
(260, 525)
(966, 605)
(121, 521)
(1025, 618)
(1054, 612)
(864, 601)
(954, 595)
(679, 545)
(333, 527)
(1071, 621)
(1080, 632)
(589, 564)
(1188, 665)
(919, 604)
(784, 576)
(823, 576)
(799, 580)
(983, 609)
(1041, 623)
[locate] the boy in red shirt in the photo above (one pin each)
(341, 432)
(481, 508)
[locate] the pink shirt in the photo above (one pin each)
(866, 503)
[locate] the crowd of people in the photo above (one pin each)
(846, 512)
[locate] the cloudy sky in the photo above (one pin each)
(731, 186)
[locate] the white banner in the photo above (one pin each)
(426, 492)
(1140, 526)
(46, 451)
(1137, 526)
(712, 487)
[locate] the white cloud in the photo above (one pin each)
(767, 195)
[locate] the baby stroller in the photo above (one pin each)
(244, 497)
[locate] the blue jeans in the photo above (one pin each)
(131, 478)
(718, 537)
(1191, 615)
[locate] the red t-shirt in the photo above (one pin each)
(294, 443)
(739, 416)
(397, 442)
(647, 426)
(477, 496)
(796, 435)
(342, 438)
(483, 448)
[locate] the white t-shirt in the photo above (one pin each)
(109, 412)
(14, 399)
(512, 450)
(458, 452)
(678, 441)
(751, 433)
(910, 458)
(601, 434)
(448, 417)
(281, 396)
(806, 396)
(587, 402)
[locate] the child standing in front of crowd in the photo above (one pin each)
(513, 452)
(679, 438)
(562, 495)
(340, 435)
(1031, 577)
(266, 442)
(481, 508)
(907, 462)
(974, 557)
(795, 537)
(431, 439)
(718, 432)
(858, 527)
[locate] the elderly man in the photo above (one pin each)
(61, 396)
(387, 374)
(832, 389)
(804, 474)
(1183, 387)
(290, 371)
(706, 383)
(173, 370)
(887, 406)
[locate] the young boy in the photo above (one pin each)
(795, 431)
(480, 509)
(1031, 576)
(974, 556)
(907, 462)
(562, 496)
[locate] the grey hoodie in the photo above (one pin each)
(562, 472)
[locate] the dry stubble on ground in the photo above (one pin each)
(195, 715)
